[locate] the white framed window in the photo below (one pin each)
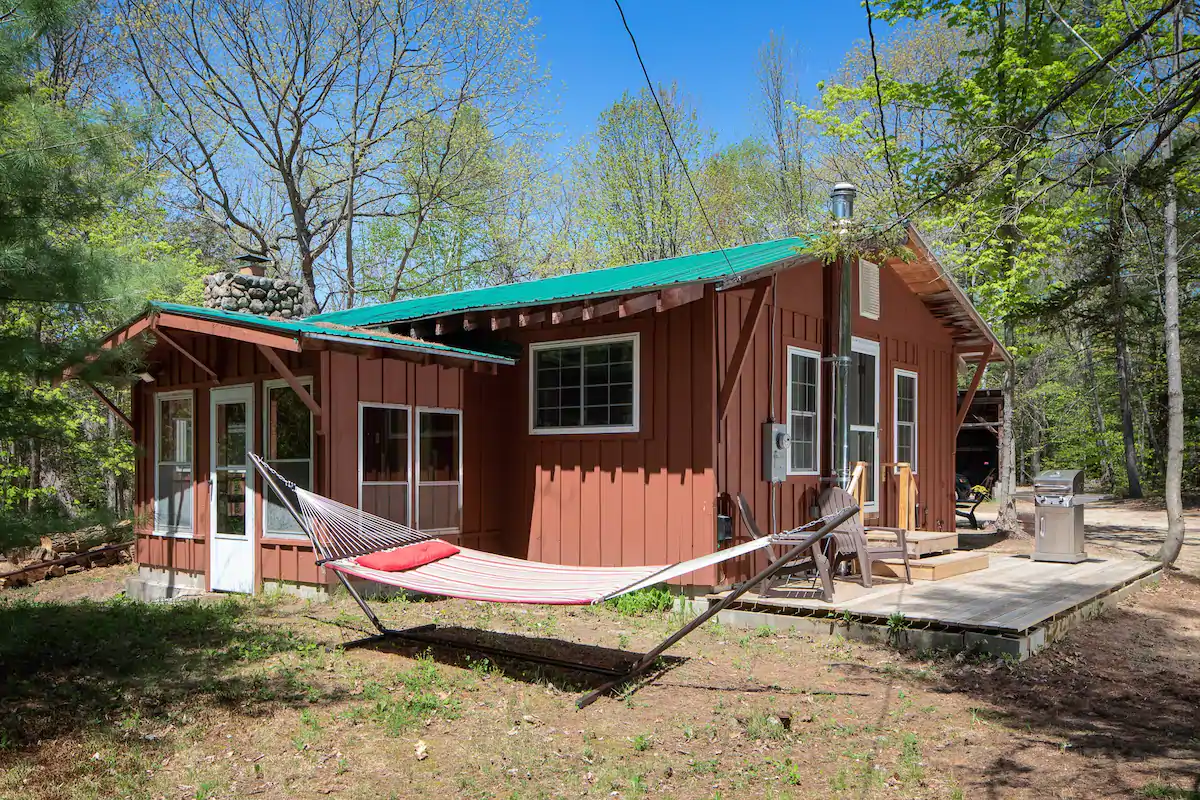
(864, 414)
(804, 408)
(904, 394)
(174, 480)
(288, 447)
(384, 460)
(585, 385)
(439, 469)
(868, 289)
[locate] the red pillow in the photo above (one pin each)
(409, 556)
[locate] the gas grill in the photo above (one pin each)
(1058, 501)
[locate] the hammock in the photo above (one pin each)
(341, 533)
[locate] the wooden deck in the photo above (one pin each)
(1014, 598)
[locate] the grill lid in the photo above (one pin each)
(1059, 481)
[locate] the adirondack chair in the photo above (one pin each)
(850, 538)
(814, 558)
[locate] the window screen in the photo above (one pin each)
(384, 454)
(173, 478)
(804, 369)
(590, 385)
(288, 445)
(906, 418)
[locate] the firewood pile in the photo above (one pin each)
(66, 553)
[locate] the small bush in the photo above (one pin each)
(652, 600)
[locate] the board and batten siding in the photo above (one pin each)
(236, 363)
(353, 379)
(603, 499)
(909, 338)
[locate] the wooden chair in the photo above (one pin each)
(814, 558)
(850, 538)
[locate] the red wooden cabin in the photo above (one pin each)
(602, 418)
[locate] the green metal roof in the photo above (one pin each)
(330, 330)
(700, 267)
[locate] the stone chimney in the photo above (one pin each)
(249, 290)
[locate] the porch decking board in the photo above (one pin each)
(1012, 597)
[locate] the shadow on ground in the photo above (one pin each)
(462, 648)
(79, 668)
(1122, 689)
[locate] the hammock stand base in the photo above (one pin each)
(617, 677)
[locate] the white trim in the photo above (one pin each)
(408, 484)
(897, 373)
(800, 351)
(415, 444)
(634, 337)
(240, 393)
(268, 385)
(179, 394)
(871, 347)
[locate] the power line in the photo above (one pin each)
(671, 136)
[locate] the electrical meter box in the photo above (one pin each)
(776, 444)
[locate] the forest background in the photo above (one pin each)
(369, 151)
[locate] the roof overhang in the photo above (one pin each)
(935, 287)
(291, 336)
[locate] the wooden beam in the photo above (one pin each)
(561, 315)
(225, 331)
(171, 341)
(444, 325)
(677, 296)
(483, 367)
(297, 387)
(500, 321)
(469, 322)
(757, 302)
(603, 309)
(111, 405)
(526, 318)
(965, 406)
(638, 303)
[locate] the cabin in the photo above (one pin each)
(609, 417)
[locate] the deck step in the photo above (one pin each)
(933, 568)
(920, 543)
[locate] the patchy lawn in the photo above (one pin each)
(241, 698)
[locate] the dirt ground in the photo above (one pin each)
(229, 698)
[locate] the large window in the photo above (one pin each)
(439, 469)
(905, 395)
(173, 464)
(585, 385)
(288, 427)
(384, 461)
(804, 398)
(864, 414)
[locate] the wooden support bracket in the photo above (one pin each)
(638, 303)
(500, 321)
(561, 315)
(526, 318)
(297, 387)
(166, 337)
(757, 302)
(677, 296)
(593, 311)
(975, 379)
(111, 405)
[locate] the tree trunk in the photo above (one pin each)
(1173, 544)
(1006, 479)
(1124, 393)
(1101, 429)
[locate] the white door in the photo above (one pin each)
(231, 481)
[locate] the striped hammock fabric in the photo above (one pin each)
(476, 575)
(341, 533)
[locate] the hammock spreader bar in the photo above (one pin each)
(338, 535)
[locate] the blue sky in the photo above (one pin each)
(710, 48)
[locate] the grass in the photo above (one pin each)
(1162, 790)
(643, 602)
(244, 698)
